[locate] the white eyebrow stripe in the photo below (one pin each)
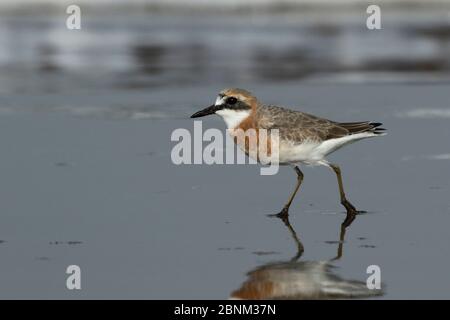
(219, 101)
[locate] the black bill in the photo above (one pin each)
(207, 111)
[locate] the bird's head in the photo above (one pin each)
(233, 105)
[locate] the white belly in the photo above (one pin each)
(301, 153)
(313, 152)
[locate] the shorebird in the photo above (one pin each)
(303, 138)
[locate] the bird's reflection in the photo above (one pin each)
(296, 279)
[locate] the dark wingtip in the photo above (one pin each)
(376, 128)
(379, 131)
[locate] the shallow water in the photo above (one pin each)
(142, 227)
(87, 179)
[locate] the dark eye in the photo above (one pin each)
(231, 100)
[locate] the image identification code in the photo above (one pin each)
(226, 309)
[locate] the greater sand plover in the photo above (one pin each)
(303, 138)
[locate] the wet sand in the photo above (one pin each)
(103, 193)
(87, 178)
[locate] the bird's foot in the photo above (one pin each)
(351, 208)
(283, 214)
(351, 213)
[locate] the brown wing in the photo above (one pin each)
(364, 126)
(299, 126)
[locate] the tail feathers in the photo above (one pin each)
(360, 127)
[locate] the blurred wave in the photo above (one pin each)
(443, 156)
(149, 51)
(261, 5)
(120, 51)
(426, 113)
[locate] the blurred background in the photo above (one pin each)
(86, 118)
(139, 46)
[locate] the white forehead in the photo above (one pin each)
(220, 100)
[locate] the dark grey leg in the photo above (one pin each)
(285, 211)
(351, 210)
